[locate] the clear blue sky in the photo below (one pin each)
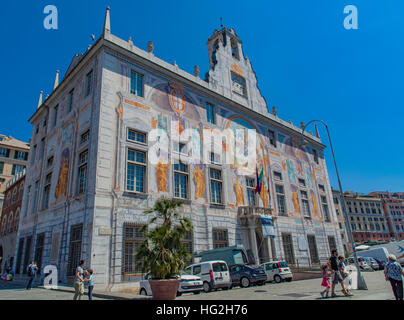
(307, 65)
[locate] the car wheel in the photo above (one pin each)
(244, 282)
(179, 294)
(277, 279)
(231, 287)
(206, 287)
(197, 292)
(143, 292)
(225, 288)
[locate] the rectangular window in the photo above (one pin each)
(315, 155)
(27, 254)
(280, 198)
(321, 187)
(272, 139)
(325, 208)
(27, 201)
(238, 84)
(82, 172)
(215, 186)
(210, 113)
(132, 239)
(41, 148)
(277, 175)
(313, 249)
(4, 153)
(74, 249)
(84, 137)
(40, 244)
(55, 116)
(305, 204)
(33, 206)
(1, 167)
(89, 83)
(302, 182)
(17, 168)
(288, 248)
(46, 191)
(49, 163)
(220, 238)
(21, 155)
(136, 136)
(331, 243)
(33, 155)
(70, 101)
(181, 180)
(250, 182)
(136, 171)
(136, 84)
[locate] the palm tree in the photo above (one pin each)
(162, 253)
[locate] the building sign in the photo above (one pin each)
(267, 227)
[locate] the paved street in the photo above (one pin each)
(378, 289)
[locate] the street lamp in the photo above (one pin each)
(361, 280)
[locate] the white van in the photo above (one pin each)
(214, 274)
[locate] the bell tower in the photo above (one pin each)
(230, 72)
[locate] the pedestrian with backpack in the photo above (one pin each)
(31, 270)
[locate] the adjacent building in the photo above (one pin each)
(393, 205)
(13, 160)
(9, 219)
(124, 128)
(341, 222)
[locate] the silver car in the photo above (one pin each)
(371, 262)
(188, 283)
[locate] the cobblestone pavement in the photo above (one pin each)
(378, 289)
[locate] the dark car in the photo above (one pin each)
(380, 263)
(244, 276)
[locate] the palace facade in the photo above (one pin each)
(97, 167)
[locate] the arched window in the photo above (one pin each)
(14, 195)
(4, 226)
(21, 192)
(8, 199)
(10, 223)
(17, 220)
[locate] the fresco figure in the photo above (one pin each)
(239, 192)
(199, 179)
(61, 187)
(162, 175)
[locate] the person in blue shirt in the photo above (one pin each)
(90, 281)
(31, 270)
(393, 272)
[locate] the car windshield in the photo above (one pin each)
(283, 264)
(218, 267)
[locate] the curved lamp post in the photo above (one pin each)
(361, 280)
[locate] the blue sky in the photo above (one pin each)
(307, 64)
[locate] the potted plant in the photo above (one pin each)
(162, 253)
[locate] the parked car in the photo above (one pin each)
(214, 274)
(277, 271)
(188, 283)
(362, 264)
(244, 276)
(371, 262)
(380, 263)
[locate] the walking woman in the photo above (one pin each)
(393, 272)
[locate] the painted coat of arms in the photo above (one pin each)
(177, 98)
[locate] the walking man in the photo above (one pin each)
(393, 272)
(31, 270)
(335, 275)
(79, 281)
